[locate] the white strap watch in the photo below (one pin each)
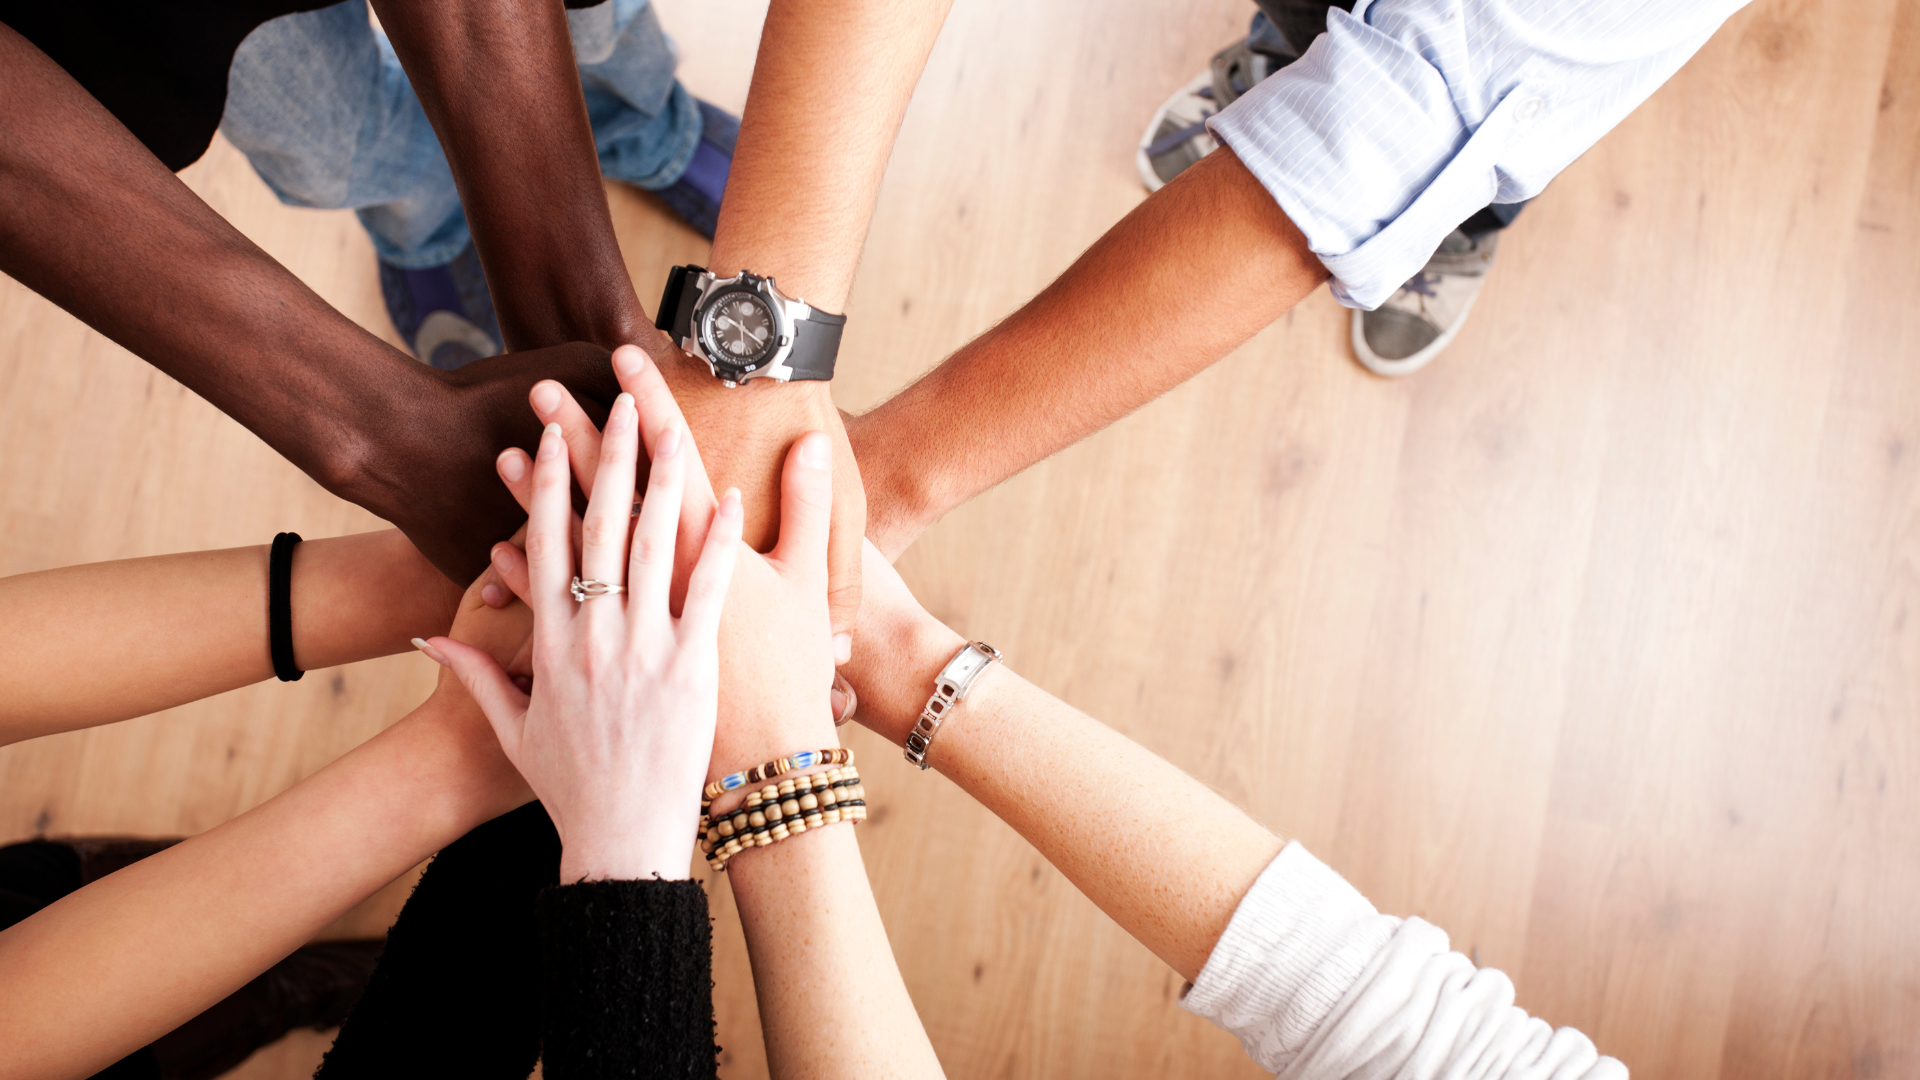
(950, 688)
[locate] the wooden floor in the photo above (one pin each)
(1597, 644)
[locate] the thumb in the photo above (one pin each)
(503, 702)
(806, 505)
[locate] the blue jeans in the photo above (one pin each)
(320, 106)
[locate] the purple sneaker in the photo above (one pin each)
(445, 312)
(695, 197)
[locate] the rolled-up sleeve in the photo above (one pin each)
(1407, 116)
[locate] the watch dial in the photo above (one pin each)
(741, 327)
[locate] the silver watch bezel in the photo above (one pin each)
(787, 311)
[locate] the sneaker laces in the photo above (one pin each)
(1174, 138)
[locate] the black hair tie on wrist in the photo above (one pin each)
(280, 606)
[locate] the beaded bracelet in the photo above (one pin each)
(787, 809)
(805, 759)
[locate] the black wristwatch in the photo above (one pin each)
(745, 328)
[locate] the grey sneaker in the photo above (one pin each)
(1178, 136)
(1423, 317)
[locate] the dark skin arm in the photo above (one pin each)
(1201, 266)
(94, 222)
(498, 81)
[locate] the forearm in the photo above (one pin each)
(499, 83)
(832, 1002)
(92, 221)
(1158, 851)
(109, 641)
(1190, 274)
(830, 86)
(109, 968)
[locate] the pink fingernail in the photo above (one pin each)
(433, 654)
(511, 467)
(730, 503)
(667, 445)
(502, 559)
(546, 398)
(494, 596)
(816, 451)
(551, 444)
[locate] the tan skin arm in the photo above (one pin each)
(109, 968)
(1158, 851)
(109, 641)
(1195, 270)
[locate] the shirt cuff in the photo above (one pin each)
(1298, 941)
(1362, 144)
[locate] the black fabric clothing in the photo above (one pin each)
(627, 978)
(159, 66)
(457, 991)
(315, 987)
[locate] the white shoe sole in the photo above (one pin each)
(1400, 369)
(1140, 159)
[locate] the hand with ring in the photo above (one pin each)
(616, 734)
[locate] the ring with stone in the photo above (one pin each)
(586, 590)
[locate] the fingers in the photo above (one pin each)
(516, 471)
(659, 412)
(844, 543)
(549, 545)
(554, 405)
(509, 568)
(603, 532)
(503, 702)
(707, 586)
(650, 575)
(806, 505)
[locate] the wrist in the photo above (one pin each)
(904, 497)
(629, 856)
(893, 672)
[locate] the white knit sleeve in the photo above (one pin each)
(1317, 985)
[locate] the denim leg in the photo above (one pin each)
(645, 124)
(1493, 218)
(320, 106)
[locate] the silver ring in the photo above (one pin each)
(584, 591)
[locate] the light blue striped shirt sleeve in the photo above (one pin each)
(1407, 116)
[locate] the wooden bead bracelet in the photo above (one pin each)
(779, 811)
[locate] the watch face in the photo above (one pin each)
(738, 330)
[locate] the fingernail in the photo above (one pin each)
(667, 445)
(730, 503)
(501, 559)
(433, 654)
(494, 595)
(511, 467)
(546, 398)
(816, 451)
(629, 360)
(839, 702)
(619, 419)
(551, 444)
(842, 648)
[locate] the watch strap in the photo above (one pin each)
(816, 344)
(677, 302)
(950, 688)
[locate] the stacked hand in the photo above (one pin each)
(617, 733)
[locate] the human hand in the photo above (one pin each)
(615, 736)
(773, 690)
(746, 433)
(429, 468)
(553, 404)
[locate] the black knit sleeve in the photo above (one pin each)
(456, 992)
(627, 981)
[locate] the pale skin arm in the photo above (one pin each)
(108, 641)
(1195, 270)
(832, 1000)
(1158, 851)
(109, 968)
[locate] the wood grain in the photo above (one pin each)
(1591, 644)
